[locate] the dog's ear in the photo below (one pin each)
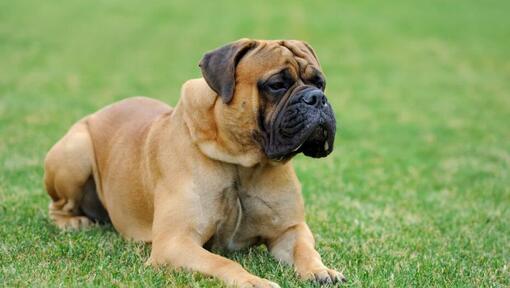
(219, 67)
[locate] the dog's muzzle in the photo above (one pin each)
(306, 124)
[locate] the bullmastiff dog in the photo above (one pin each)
(212, 173)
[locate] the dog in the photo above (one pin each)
(212, 173)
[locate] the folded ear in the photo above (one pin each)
(219, 67)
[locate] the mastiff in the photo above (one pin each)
(212, 173)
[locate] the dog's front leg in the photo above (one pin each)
(296, 247)
(178, 244)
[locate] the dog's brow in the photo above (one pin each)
(300, 59)
(297, 52)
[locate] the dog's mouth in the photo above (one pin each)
(319, 143)
(316, 141)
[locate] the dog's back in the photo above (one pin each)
(124, 123)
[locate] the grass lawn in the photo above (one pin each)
(416, 193)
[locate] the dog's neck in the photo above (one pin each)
(211, 137)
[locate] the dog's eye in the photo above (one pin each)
(277, 87)
(319, 83)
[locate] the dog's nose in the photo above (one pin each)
(314, 98)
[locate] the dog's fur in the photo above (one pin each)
(205, 174)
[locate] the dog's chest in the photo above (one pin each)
(246, 218)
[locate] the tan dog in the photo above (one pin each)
(212, 172)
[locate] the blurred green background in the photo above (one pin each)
(416, 193)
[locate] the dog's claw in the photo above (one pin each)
(326, 276)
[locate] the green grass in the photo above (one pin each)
(417, 192)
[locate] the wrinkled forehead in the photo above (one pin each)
(270, 57)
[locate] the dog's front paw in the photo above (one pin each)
(324, 276)
(258, 283)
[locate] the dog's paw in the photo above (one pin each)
(258, 283)
(72, 222)
(324, 276)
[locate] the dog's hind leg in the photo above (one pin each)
(67, 169)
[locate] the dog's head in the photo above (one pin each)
(273, 91)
